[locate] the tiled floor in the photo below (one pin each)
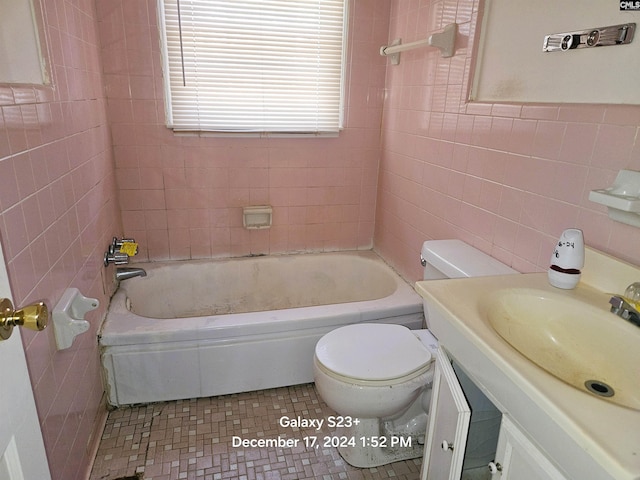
(193, 439)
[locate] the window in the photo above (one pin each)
(254, 65)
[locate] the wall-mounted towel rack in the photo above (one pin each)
(445, 41)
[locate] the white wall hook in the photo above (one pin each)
(68, 316)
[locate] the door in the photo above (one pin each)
(22, 454)
(519, 459)
(448, 427)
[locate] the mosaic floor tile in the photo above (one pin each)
(238, 436)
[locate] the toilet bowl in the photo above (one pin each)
(379, 375)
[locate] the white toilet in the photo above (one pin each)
(381, 374)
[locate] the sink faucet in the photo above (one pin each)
(124, 273)
(625, 307)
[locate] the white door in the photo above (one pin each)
(519, 459)
(449, 418)
(22, 454)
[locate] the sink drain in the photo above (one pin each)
(599, 388)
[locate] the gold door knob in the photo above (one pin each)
(33, 317)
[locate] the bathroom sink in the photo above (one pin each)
(531, 346)
(585, 346)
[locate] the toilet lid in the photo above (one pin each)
(372, 351)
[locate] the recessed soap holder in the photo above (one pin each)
(622, 199)
(68, 316)
(257, 217)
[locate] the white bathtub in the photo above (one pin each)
(203, 328)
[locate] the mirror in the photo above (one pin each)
(20, 54)
(512, 67)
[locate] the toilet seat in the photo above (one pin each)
(373, 352)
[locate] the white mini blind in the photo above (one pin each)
(254, 65)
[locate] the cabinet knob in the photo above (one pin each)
(447, 446)
(494, 467)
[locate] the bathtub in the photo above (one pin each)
(203, 328)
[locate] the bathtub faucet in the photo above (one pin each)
(124, 273)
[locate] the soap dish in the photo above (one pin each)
(68, 316)
(622, 199)
(257, 217)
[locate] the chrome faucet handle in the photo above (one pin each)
(117, 243)
(617, 304)
(117, 258)
(622, 308)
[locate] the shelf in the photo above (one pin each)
(622, 199)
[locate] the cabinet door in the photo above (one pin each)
(448, 427)
(519, 459)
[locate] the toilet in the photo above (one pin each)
(381, 374)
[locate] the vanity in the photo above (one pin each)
(563, 371)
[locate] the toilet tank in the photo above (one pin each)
(456, 259)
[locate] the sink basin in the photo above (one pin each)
(586, 347)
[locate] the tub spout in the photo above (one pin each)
(124, 273)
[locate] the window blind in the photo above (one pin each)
(254, 65)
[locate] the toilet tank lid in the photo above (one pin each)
(457, 259)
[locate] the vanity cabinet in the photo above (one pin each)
(516, 457)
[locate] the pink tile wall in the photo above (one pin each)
(58, 210)
(182, 196)
(505, 178)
